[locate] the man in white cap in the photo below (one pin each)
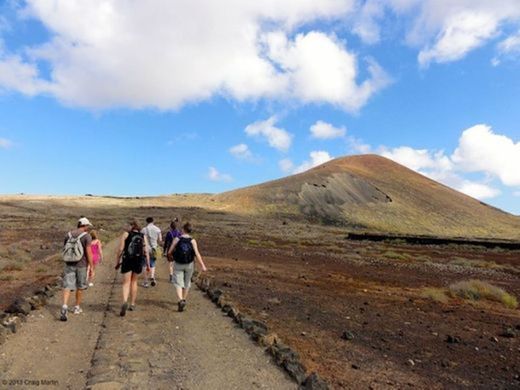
(77, 254)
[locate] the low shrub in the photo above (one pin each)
(463, 262)
(476, 290)
(395, 256)
(437, 294)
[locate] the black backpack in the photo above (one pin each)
(184, 252)
(134, 246)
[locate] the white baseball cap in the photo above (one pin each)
(84, 222)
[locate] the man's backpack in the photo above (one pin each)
(73, 250)
(184, 252)
(134, 246)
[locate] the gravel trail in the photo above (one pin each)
(152, 347)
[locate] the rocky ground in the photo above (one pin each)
(152, 347)
(356, 312)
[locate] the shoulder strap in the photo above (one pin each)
(81, 235)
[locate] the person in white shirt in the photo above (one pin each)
(154, 237)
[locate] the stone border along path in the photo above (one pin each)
(282, 354)
(152, 347)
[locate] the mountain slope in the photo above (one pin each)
(372, 193)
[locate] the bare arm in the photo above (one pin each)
(198, 256)
(121, 248)
(146, 253)
(100, 249)
(89, 256)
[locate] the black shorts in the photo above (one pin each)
(135, 266)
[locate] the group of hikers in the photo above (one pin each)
(138, 248)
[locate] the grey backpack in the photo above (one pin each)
(73, 250)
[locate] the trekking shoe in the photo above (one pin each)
(132, 308)
(77, 310)
(63, 313)
(154, 283)
(145, 285)
(91, 284)
(123, 309)
(181, 305)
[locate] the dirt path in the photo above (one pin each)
(153, 347)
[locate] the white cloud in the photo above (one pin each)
(507, 48)
(516, 193)
(5, 143)
(130, 53)
(510, 45)
(17, 75)
(443, 30)
(478, 190)
(215, 175)
(241, 151)
(276, 137)
(460, 34)
(481, 150)
(317, 157)
(319, 69)
(286, 165)
(357, 145)
(439, 167)
(366, 23)
(324, 130)
(418, 159)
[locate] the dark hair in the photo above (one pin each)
(173, 224)
(187, 227)
(134, 225)
(149, 220)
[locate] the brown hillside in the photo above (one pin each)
(372, 193)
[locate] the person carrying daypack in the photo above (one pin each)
(154, 237)
(168, 240)
(184, 251)
(132, 252)
(76, 255)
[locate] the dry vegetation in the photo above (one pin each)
(310, 284)
(476, 290)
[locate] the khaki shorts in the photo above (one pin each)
(74, 277)
(182, 274)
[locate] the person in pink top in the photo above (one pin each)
(97, 256)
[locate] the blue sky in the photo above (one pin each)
(118, 98)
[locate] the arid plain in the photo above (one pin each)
(363, 314)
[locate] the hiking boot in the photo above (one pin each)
(132, 308)
(181, 305)
(154, 283)
(145, 285)
(124, 308)
(63, 313)
(77, 310)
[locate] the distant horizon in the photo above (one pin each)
(282, 88)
